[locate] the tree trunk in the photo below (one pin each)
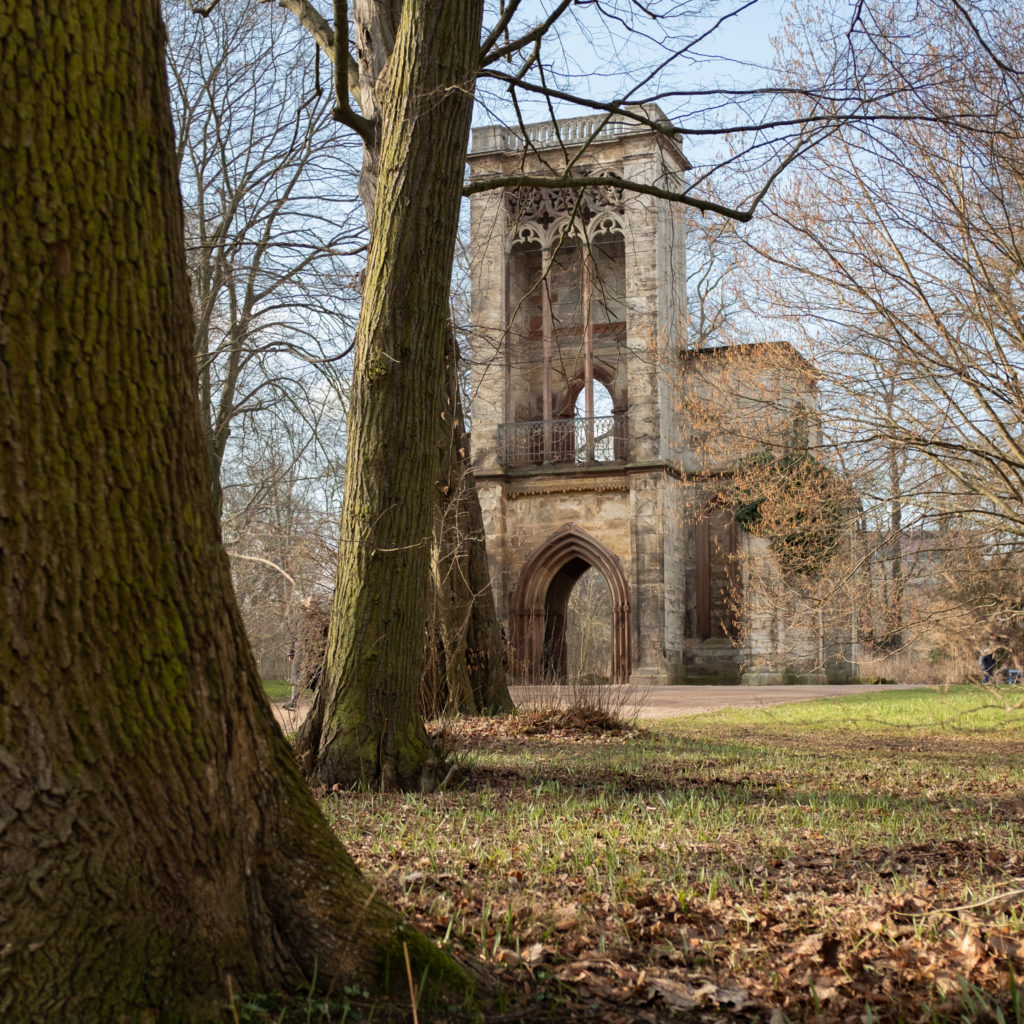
(156, 838)
(365, 725)
(482, 642)
(464, 671)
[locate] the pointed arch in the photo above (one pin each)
(542, 593)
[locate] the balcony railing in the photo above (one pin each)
(577, 441)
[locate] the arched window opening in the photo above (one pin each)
(595, 434)
(566, 293)
(566, 290)
(588, 629)
(608, 292)
(527, 304)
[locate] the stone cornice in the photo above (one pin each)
(565, 485)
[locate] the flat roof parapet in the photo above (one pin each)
(567, 132)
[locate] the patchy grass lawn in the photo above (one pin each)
(277, 689)
(854, 859)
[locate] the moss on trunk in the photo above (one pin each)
(156, 837)
(365, 726)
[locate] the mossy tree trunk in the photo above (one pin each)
(465, 666)
(156, 837)
(418, 62)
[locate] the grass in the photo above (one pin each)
(858, 858)
(277, 689)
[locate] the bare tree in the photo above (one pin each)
(283, 485)
(896, 257)
(273, 231)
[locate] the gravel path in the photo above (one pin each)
(674, 701)
(657, 701)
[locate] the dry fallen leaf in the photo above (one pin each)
(536, 954)
(736, 997)
(972, 949)
(566, 917)
(823, 992)
(676, 994)
(811, 945)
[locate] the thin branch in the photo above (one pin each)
(263, 561)
(534, 35)
(634, 112)
(343, 111)
(1002, 65)
(501, 27)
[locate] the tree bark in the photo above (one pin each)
(156, 838)
(471, 589)
(365, 726)
(464, 672)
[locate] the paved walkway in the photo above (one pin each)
(657, 701)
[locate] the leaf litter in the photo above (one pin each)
(562, 860)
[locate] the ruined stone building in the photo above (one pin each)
(594, 444)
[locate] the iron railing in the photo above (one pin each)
(559, 442)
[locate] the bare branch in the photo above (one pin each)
(565, 181)
(983, 43)
(533, 36)
(263, 561)
(501, 27)
(343, 111)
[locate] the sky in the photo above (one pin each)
(594, 54)
(593, 48)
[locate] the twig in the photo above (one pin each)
(972, 906)
(412, 984)
(263, 561)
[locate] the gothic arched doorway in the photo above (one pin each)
(542, 595)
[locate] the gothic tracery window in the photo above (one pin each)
(566, 297)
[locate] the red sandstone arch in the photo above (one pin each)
(542, 594)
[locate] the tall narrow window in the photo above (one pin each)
(718, 575)
(566, 305)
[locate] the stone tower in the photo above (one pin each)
(577, 298)
(580, 454)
